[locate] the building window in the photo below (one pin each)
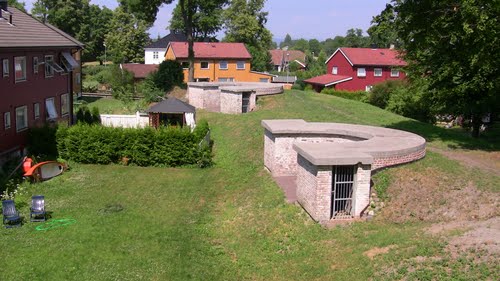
(377, 72)
(36, 110)
(240, 65)
(51, 109)
(394, 73)
(35, 65)
(185, 65)
(64, 104)
(361, 72)
(369, 88)
(222, 79)
(49, 71)
(204, 65)
(223, 64)
(155, 55)
(21, 118)
(264, 80)
(6, 120)
(5, 67)
(20, 68)
(335, 70)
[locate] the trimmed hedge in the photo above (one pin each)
(93, 144)
(361, 96)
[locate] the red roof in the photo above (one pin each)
(204, 50)
(367, 56)
(328, 79)
(278, 56)
(140, 70)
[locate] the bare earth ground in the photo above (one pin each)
(178, 93)
(466, 217)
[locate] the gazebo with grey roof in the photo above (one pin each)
(172, 112)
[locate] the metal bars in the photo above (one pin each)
(342, 189)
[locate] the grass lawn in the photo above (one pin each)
(231, 222)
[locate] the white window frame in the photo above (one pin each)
(238, 65)
(5, 67)
(335, 70)
(47, 110)
(394, 72)
(35, 65)
(223, 62)
(64, 110)
(204, 68)
(156, 55)
(22, 62)
(36, 110)
(361, 72)
(261, 80)
(375, 72)
(24, 110)
(49, 71)
(6, 120)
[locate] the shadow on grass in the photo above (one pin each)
(452, 138)
(89, 99)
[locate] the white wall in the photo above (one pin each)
(125, 121)
(148, 56)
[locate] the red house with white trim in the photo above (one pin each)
(37, 76)
(358, 69)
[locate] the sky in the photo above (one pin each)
(308, 19)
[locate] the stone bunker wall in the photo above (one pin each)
(226, 97)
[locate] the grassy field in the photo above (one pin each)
(230, 222)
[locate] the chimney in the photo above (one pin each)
(3, 6)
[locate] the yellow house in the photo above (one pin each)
(217, 62)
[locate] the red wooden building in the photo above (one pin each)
(358, 69)
(36, 76)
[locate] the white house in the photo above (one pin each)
(154, 53)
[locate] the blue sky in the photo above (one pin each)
(307, 19)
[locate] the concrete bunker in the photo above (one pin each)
(331, 163)
(229, 97)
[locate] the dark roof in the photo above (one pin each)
(27, 31)
(171, 105)
(140, 70)
(163, 42)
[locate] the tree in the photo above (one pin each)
(454, 44)
(207, 19)
(301, 45)
(354, 38)
(245, 22)
(93, 31)
(314, 46)
(169, 74)
(67, 15)
(17, 4)
(127, 37)
(383, 30)
(147, 11)
(287, 41)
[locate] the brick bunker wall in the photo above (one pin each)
(382, 162)
(284, 157)
(230, 102)
(207, 98)
(306, 186)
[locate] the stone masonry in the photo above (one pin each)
(310, 151)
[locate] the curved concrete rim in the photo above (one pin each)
(374, 142)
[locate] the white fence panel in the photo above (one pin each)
(125, 121)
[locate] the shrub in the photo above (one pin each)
(42, 141)
(361, 96)
(84, 115)
(148, 89)
(410, 101)
(169, 74)
(121, 82)
(90, 86)
(380, 93)
(143, 147)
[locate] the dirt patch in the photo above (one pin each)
(429, 195)
(178, 93)
(378, 251)
(479, 236)
(484, 160)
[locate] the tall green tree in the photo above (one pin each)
(383, 31)
(127, 37)
(314, 46)
(147, 10)
(93, 31)
(17, 4)
(354, 38)
(245, 22)
(67, 15)
(454, 44)
(287, 41)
